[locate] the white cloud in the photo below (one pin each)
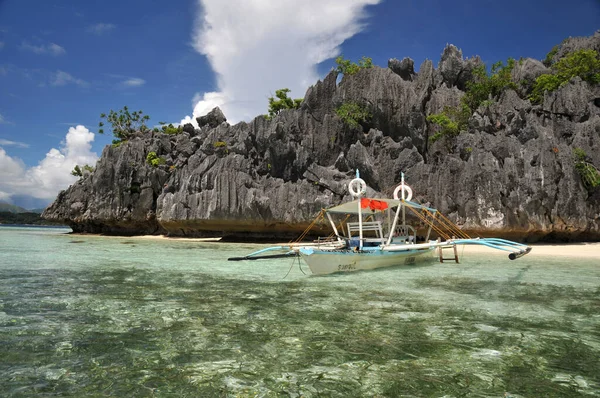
(11, 168)
(126, 81)
(52, 48)
(12, 143)
(53, 173)
(61, 78)
(133, 82)
(100, 28)
(1, 45)
(55, 49)
(4, 121)
(258, 46)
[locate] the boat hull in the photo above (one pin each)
(322, 262)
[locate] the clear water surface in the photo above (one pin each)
(106, 316)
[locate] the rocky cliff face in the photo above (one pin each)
(511, 174)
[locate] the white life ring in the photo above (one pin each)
(359, 189)
(406, 190)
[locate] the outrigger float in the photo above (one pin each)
(380, 236)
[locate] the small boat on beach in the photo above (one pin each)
(374, 233)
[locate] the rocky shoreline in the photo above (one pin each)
(510, 174)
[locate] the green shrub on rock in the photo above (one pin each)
(481, 91)
(170, 129)
(78, 171)
(282, 102)
(451, 121)
(221, 147)
(347, 67)
(582, 63)
(447, 126)
(548, 60)
(352, 113)
(590, 176)
(154, 160)
(485, 86)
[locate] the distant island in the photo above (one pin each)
(10, 208)
(510, 150)
(12, 214)
(27, 218)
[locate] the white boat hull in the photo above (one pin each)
(322, 262)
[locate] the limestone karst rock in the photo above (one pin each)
(405, 68)
(511, 174)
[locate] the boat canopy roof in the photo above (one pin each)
(374, 205)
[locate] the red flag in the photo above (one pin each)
(378, 205)
(364, 203)
(373, 204)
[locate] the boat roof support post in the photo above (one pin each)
(403, 199)
(391, 235)
(389, 220)
(360, 231)
(335, 231)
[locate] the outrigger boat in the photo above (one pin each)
(380, 236)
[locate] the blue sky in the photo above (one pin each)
(64, 62)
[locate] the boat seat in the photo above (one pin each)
(366, 226)
(372, 228)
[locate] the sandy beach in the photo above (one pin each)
(160, 237)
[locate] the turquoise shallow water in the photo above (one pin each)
(105, 316)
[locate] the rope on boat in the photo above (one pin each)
(290, 270)
(319, 217)
(339, 226)
(423, 218)
(453, 227)
(431, 224)
(291, 266)
(444, 227)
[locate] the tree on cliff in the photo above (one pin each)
(78, 171)
(282, 102)
(124, 123)
(347, 67)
